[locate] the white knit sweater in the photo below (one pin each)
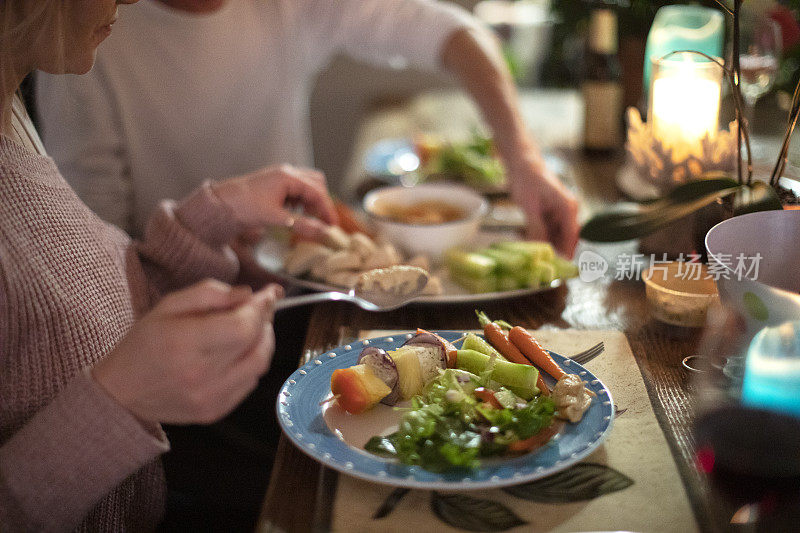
(176, 98)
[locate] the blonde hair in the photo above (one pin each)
(26, 26)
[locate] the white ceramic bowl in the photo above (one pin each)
(429, 239)
(677, 299)
(774, 296)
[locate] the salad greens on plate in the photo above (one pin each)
(486, 398)
(451, 425)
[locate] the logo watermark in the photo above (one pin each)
(592, 266)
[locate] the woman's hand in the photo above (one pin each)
(266, 197)
(550, 209)
(195, 356)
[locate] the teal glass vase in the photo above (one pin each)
(682, 27)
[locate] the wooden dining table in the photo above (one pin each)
(301, 490)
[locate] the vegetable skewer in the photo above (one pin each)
(330, 399)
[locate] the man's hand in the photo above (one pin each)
(550, 209)
(473, 55)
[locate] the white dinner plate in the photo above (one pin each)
(269, 255)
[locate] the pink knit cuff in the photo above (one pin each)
(204, 214)
(188, 241)
(72, 453)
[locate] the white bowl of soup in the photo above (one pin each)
(426, 219)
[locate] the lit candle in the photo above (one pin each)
(684, 105)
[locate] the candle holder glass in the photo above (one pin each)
(684, 27)
(681, 139)
(685, 93)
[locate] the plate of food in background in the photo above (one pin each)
(429, 158)
(465, 264)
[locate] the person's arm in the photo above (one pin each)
(82, 131)
(191, 359)
(189, 241)
(68, 456)
(435, 35)
(473, 55)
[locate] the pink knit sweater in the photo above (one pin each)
(70, 288)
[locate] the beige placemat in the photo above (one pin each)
(636, 447)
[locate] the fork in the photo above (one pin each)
(587, 355)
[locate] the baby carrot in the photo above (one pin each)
(531, 349)
(493, 332)
(542, 386)
(497, 338)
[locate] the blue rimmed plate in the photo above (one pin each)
(336, 439)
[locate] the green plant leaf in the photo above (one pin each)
(584, 481)
(513, 63)
(709, 183)
(473, 514)
(758, 196)
(613, 226)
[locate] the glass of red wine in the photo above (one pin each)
(749, 450)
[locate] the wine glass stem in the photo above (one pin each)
(749, 114)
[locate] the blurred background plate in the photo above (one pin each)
(269, 254)
(395, 161)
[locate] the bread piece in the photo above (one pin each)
(344, 260)
(337, 261)
(433, 287)
(362, 245)
(382, 257)
(392, 252)
(336, 238)
(343, 278)
(302, 257)
(420, 261)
